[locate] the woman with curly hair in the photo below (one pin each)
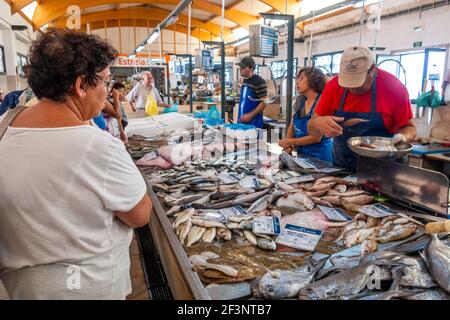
(310, 83)
(69, 193)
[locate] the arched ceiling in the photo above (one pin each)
(48, 11)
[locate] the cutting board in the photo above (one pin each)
(429, 149)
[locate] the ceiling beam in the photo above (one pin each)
(202, 35)
(51, 10)
(150, 13)
(17, 5)
(280, 5)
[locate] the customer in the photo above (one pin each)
(113, 112)
(69, 193)
(18, 97)
(138, 95)
(1, 95)
(310, 83)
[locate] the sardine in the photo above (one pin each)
(266, 244)
(397, 233)
(322, 186)
(437, 256)
(185, 228)
(361, 199)
(207, 223)
(347, 194)
(209, 235)
(302, 199)
(182, 218)
(250, 237)
(240, 218)
(341, 188)
(201, 261)
(224, 233)
(194, 235)
(334, 200)
(368, 246)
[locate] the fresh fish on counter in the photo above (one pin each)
(348, 282)
(209, 235)
(207, 223)
(399, 232)
(437, 257)
(201, 260)
(284, 284)
(266, 244)
(250, 236)
(195, 234)
(224, 233)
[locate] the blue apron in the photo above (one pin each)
(322, 150)
(343, 156)
(246, 105)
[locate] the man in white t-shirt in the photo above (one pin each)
(446, 88)
(138, 95)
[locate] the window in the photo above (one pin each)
(420, 67)
(279, 68)
(328, 62)
(2, 61)
(21, 61)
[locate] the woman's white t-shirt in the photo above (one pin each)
(59, 237)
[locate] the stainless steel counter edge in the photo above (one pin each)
(183, 280)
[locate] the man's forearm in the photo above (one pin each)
(312, 129)
(260, 108)
(409, 132)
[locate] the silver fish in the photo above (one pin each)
(284, 284)
(209, 235)
(267, 244)
(437, 256)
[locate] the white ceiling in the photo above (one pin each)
(253, 7)
(226, 22)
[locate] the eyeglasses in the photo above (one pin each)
(109, 83)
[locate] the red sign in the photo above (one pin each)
(132, 62)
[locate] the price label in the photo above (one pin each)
(377, 211)
(226, 177)
(299, 237)
(266, 225)
(335, 214)
(232, 211)
(250, 182)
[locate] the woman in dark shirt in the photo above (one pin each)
(310, 83)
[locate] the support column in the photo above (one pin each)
(10, 47)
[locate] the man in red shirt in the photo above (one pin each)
(362, 101)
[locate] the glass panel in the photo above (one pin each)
(2, 62)
(385, 63)
(435, 68)
(413, 64)
(323, 61)
(336, 63)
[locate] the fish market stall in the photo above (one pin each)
(234, 220)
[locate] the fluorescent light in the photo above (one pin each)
(30, 9)
(359, 4)
(241, 42)
(239, 33)
(308, 6)
(418, 29)
(140, 48)
(171, 20)
(153, 37)
(132, 56)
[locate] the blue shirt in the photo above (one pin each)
(10, 101)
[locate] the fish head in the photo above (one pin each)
(307, 294)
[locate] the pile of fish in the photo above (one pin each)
(369, 231)
(192, 226)
(221, 244)
(327, 191)
(382, 275)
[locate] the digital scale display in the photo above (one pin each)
(263, 41)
